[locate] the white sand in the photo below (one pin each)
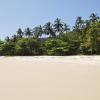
(50, 78)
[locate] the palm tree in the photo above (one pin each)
(20, 33)
(28, 32)
(58, 25)
(48, 29)
(7, 39)
(79, 24)
(66, 28)
(14, 38)
(94, 18)
(38, 31)
(87, 25)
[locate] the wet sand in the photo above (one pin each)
(50, 78)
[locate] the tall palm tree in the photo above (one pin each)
(48, 29)
(38, 31)
(28, 32)
(79, 24)
(20, 33)
(94, 18)
(58, 25)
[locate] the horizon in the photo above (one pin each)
(30, 13)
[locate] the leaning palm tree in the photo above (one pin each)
(58, 25)
(48, 29)
(38, 31)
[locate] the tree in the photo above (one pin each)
(91, 44)
(65, 31)
(79, 28)
(38, 31)
(14, 38)
(20, 33)
(58, 26)
(60, 40)
(28, 46)
(94, 18)
(87, 25)
(66, 28)
(28, 32)
(79, 25)
(48, 29)
(56, 47)
(7, 39)
(74, 42)
(7, 48)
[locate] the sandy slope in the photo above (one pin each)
(50, 78)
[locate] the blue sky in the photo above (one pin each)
(16, 14)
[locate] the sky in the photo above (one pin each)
(16, 14)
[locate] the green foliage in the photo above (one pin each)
(27, 46)
(48, 29)
(79, 25)
(58, 25)
(38, 31)
(20, 33)
(55, 39)
(7, 48)
(91, 43)
(28, 32)
(56, 47)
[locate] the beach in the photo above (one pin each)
(50, 78)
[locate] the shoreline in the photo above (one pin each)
(57, 59)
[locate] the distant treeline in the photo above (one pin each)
(56, 39)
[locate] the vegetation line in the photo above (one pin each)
(55, 39)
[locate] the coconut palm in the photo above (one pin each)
(14, 38)
(79, 24)
(38, 31)
(94, 18)
(28, 32)
(58, 25)
(20, 33)
(7, 39)
(48, 29)
(66, 28)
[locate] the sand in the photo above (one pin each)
(50, 78)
